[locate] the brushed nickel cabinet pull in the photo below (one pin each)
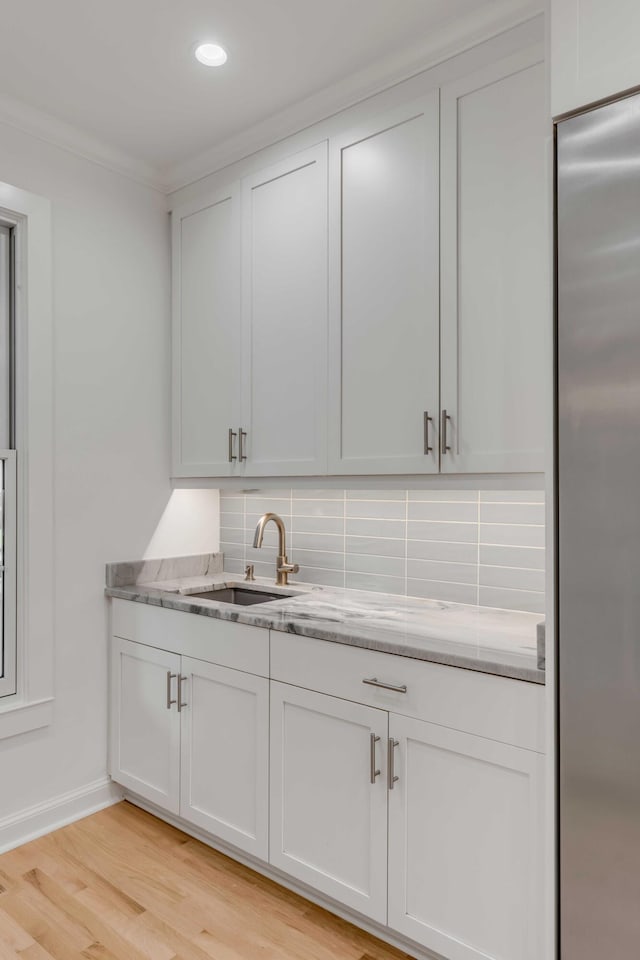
(242, 435)
(170, 677)
(372, 758)
(232, 436)
(181, 680)
(446, 419)
(391, 746)
(427, 420)
(396, 687)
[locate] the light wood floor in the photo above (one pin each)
(122, 885)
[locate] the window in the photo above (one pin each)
(8, 557)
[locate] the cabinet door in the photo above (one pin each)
(206, 337)
(285, 316)
(328, 820)
(225, 754)
(594, 51)
(464, 836)
(496, 300)
(384, 353)
(145, 724)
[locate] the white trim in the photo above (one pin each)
(42, 126)
(445, 42)
(45, 817)
(448, 40)
(284, 880)
(9, 585)
(30, 215)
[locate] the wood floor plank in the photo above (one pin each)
(122, 885)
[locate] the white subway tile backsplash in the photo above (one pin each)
(453, 532)
(317, 541)
(439, 590)
(377, 509)
(319, 508)
(497, 555)
(512, 513)
(318, 558)
(317, 524)
(260, 505)
(371, 545)
(326, 578)
(379, 584)
(376, 495)
(468, 496)
(357, 527)
(447, 572)
(461, 546)
(458, 512)
(383, 566)
(235, 520)
(515, 578)
(443, 550)
(509, 534)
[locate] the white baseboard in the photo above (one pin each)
(42, 818)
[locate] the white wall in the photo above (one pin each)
(111, 467)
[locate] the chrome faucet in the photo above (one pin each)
(283, 567)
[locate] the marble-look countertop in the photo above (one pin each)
(499, 642)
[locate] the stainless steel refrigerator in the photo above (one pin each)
(598, 463)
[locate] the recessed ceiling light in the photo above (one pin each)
(211, 54)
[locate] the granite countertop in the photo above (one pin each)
(488, 640)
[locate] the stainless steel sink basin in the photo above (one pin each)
(242, 596)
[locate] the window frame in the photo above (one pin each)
(31, 705)
(8, 676)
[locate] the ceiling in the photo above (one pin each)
(123, 71)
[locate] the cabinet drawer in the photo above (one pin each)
(498, 708)
(223, 642)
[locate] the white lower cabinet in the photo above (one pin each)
(145, 729)
(329, 796)
(463, 843)
(225, 754)
(421, 825)
(208, 761)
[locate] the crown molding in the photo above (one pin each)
(449, 40)
(36, 123)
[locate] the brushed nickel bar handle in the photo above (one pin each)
(372, 758)
(443, 432)
(427, 420)
(170, 677)
(391, 745)
(396, 687)
(232, 436)
(180, 703)
(241, 438)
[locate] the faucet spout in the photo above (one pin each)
(283, 567)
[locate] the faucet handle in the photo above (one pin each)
(288, 567)
(248, 573)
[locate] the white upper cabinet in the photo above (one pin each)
(495, 300)
(384, 355)
(594, 51)
(378, 303)
(284, 307)
(206, 336)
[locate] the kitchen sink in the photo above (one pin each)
(242, 596)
